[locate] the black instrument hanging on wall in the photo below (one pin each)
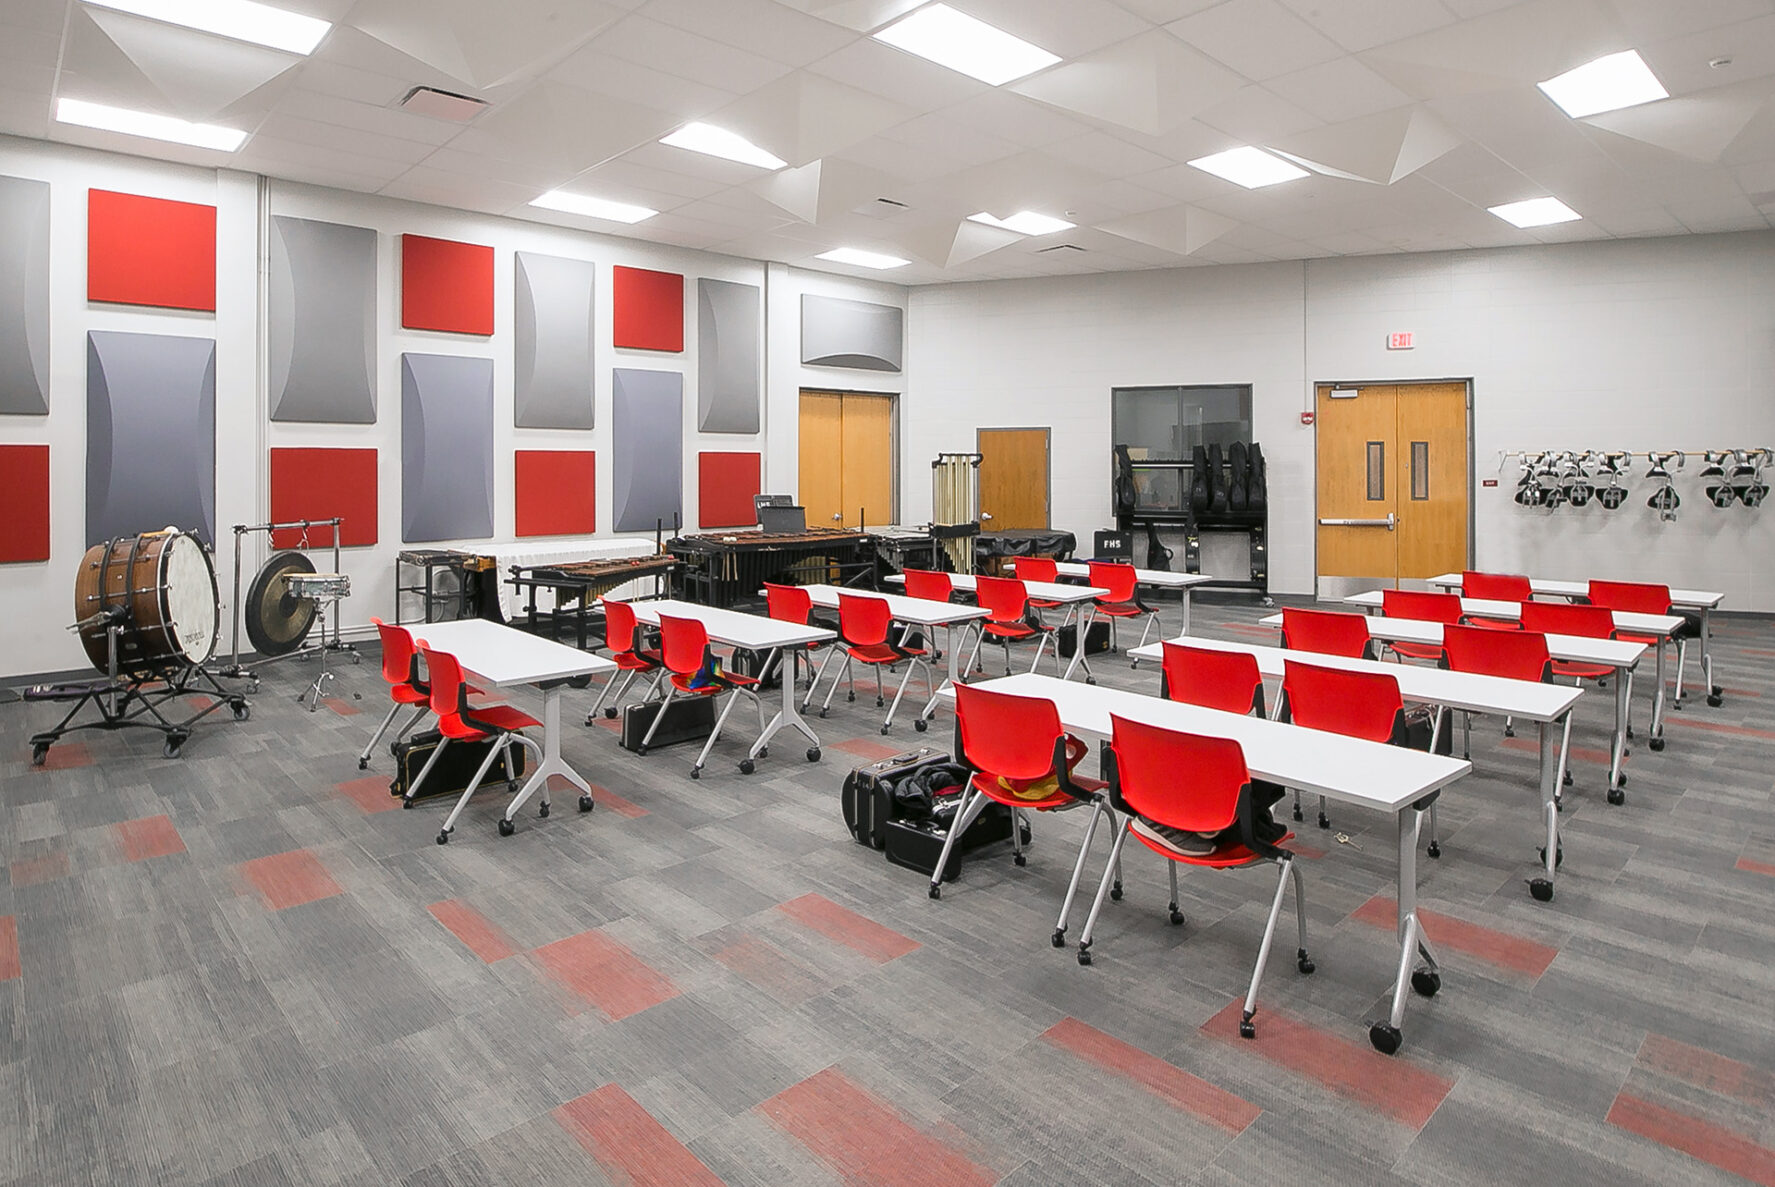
(276, 621)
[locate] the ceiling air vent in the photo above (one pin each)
(1059, 247)
(442, 105)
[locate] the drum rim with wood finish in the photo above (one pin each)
(167, 621)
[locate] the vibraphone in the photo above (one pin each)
(469, 588)
(721, 569)
(577, 585)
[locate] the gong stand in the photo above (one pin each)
(238, 669)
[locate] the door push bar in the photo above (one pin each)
(1390, 523)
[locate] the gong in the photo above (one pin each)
(277, 622)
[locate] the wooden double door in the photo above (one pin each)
(847, 458)
(1394, 484)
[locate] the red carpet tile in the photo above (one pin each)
(289, 879)
(867, 749)
(61, 757)
(1495, 947)
(1743, 731)
(1531, 745)
(864, 1139)
(1756, 652)
(370, 794)
(152, 836)
(1262, 632)
(1388, 1084)
(1713, 1144)
(613, 724)
(1749, 867)
(770, 969)
(603, 972)
(627, 1142)
(478, 934)
(602, 796)
(9, 965)
(342, 707)
(29, 871)
(1704, 1069)
(854, 931)
(1192, 1094)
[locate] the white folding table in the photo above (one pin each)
(501, 657)
(1547, 705)
(1372, 774)
(922, 612)
(1074, 597)
(756, 632)
(1703, 601)
(1183, 583)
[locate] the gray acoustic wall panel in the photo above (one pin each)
(840, 333)
(552, 342)
(728, 328)
(446, 448)
(24, 296)
(647, 431)
(150, 434)
(322, 322)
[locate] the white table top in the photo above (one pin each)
(1042, 591)
(1618, 653)
(735, 628)
(1528, 699)
(1160, 577)
(1372, 774)
(1699, 599)
(1655, 624)
(918, 611)
(503, 656)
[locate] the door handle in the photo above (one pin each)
(837, 516)
(1391, 523)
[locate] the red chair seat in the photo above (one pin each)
(503, 717)
(630, 661)
(1231, 853)
(1579, 671)
(882, 653)
(406, 694)
(1121, 609)
(988, 785)
(1009, 630)
(720, 683)
(1495, 624)
(1417, 650)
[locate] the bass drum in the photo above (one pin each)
(162, 587)
(277, 621)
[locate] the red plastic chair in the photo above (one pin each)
(1362, 705)
(929, 585)
(620, 627)
(400, 667)
(792, 603)
(692, 670)
(1006, 604)
(1639, 597)
(1016, 745)
(1419, 606)
(1164, 780)
(864, 626)
(1044, 569)
(1495, 587)
(460, 721)
(1212, 678)
(1512, 655)
(1123, 598)
(1328, 632)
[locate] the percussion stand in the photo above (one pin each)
(323, 677)
(240, 670)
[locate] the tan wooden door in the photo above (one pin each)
(847, 458)
(1013, 479)
(1392, 465)
(822, 456)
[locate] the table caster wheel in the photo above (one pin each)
(1298, 816)
(39, 752)
(764, 753)
(1303, 962)
(747, 766)
(1714, 699)
(1617, 796)
(884, 729)
(1425, 982)
(1324, 820)
(1085, 953)
(585, 803)
(1385, 1037)
(1090, 679)
(363, 764)
(920, 724)
(1558, 856)
(1176, 917)
(1115, 892)
(1509, 731)
(610, 713)
(543, 811)
(506, 827)
(696, 772)
(823, 712)
(640, 751)
(850, 696)
(1541, 890)
(1058, 939)
(443, 836)
(936, 891)
(1019, 859)
(1435, 850)
(242, 711)
(813, 754)
(1657, 743)
(1246, 1028)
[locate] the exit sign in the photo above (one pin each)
(1400, 340)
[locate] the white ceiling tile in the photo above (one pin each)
(535, 179)
(1372, 22)
(762, 27)
(1104, 153)
(457, 190)
(591, 69)
(1256, 116)
(281, 126)
(1161, 12)
(384, 120)
(1258, 38)
(1066, 30)
(1655, 20)
(1341, 89)
(484, 45)
(1012, 117)
(1148, 84)
(562, 127)
(861, 16)
(679, 52)
(897, 75)
(802, 117)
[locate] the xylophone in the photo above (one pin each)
(578, 584)
(722, 568)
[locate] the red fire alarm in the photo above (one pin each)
(1306, 418)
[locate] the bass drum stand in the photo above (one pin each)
(289, 560)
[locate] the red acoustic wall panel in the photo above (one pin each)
(725, 485)
(446, 285)
(150, 251)
(24, 493)
(322, 483)
(556, 492)
(649, 309)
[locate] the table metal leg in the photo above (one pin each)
(955, 671)
(1715, 694)
(552, 764)
(1618, 752)
(1657, 737)
(1542, 888)
(1086, 613)
(1187, 593)
(1387, 1036)
(788, 715)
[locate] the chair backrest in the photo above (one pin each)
(788, 603)
(1185, 781)
(1497, 587)
(398, 657)
(1003, 598)
(928, 584)
(1009, 736)
(1632, 597)
(862, 620)
(1214, 679)
(448, 695)
(1117, 577)
(1514, 655)
(1329, 632)
(1038, 568)
(619, 626)
(682, 644)
(1561, 618)
(1359, 704)
(1421, 606)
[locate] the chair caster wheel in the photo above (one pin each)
(1019, 859)
(640, 751)
(406, 803)
(813, 754)
(506, 827)
(1435, 850)
(850, 696)
(610, 713)
(1115, 892)
(879, 703)
(747, 766)
(1541, 890)
(823, 712)
(1568, 779)
(585, 803)
(38, 754)
(920, 724)
(1509, 731)
(884, 729)
(363, 764)
(936, 891)
(543, 811)
(1176, 917)
(1385, 1037)
(1715, 700)
(1085, 953)
(1303, 962)
(696, 772)
(1090, 679)
(1425, 982)
(1657, 743)
(1558, 856)
(1058, 939)
(1617, 796)
(1298, 816)
(1324, 820)
(443, 836)
(1247, 1030)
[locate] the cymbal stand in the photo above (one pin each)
(323, 677)
(238, 669)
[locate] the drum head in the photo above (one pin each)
(277, 622)
(189, 582)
